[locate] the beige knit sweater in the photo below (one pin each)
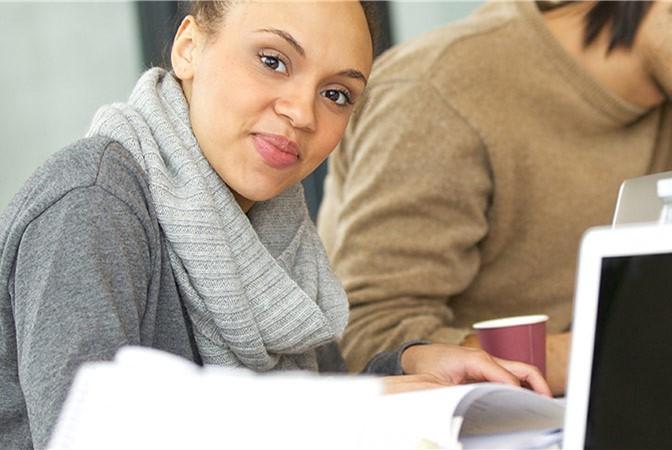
(460, 192)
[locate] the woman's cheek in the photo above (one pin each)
(339, 130)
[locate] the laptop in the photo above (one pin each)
(638, 200)
(620, 369)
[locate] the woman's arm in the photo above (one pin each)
(421, 365)
(80, 288)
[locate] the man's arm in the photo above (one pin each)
(405, 207)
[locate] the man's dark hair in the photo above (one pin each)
(622, 17)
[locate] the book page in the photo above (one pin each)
(428, 415)
(500, 416)
(548, 439)
(151, 399)
(496, 408)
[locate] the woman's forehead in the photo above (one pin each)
(317, 26)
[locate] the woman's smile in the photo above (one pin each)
(271, 92)
(276, 150)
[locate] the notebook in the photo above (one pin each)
(620, 369)
(638, 200)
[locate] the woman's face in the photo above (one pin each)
(270, 94)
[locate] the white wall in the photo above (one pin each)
(60, 62)
(410, 18)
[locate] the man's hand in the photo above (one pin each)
(557, 354)
(442, 364)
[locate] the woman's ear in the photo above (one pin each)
(185, 47)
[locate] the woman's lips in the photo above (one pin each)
(277, 151)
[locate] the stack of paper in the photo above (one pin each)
(149, 399)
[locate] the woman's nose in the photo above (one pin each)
(298, 108)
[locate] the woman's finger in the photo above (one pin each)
(528, 374)
(483, 367)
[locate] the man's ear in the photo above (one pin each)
(185, 48)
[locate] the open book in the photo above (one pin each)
(481, 416)
(150, 399)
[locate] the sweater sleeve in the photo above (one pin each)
(405, 207)
(80, 288)
(389, 363)
(330, 360)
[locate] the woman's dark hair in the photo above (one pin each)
(209, 14)
(373, 20)
(622, 17)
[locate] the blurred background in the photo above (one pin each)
(61, 61)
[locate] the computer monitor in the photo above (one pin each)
(620, 374)
(638, 200)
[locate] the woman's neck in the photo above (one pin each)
(244, 203)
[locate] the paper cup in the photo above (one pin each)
(521, 338)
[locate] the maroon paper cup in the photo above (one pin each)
(521, 338)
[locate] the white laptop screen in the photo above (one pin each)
(629, 402)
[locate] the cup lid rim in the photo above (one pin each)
(510, 321)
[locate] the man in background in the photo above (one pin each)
(480, 155)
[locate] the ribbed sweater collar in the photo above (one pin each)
(258, 289)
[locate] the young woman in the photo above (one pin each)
(179, 222)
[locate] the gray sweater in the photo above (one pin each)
(84, 270)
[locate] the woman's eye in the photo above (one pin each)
(339, 97)
(274, 63)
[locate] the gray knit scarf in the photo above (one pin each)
(257, 287)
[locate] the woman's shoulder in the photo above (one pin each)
(92, 161)
(94, 167)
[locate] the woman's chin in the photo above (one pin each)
(260, 192)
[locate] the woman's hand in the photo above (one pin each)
(404, 383)
(437, 365)
(557, 356)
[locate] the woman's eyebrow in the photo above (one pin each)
(286, 36)
(352, 73)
